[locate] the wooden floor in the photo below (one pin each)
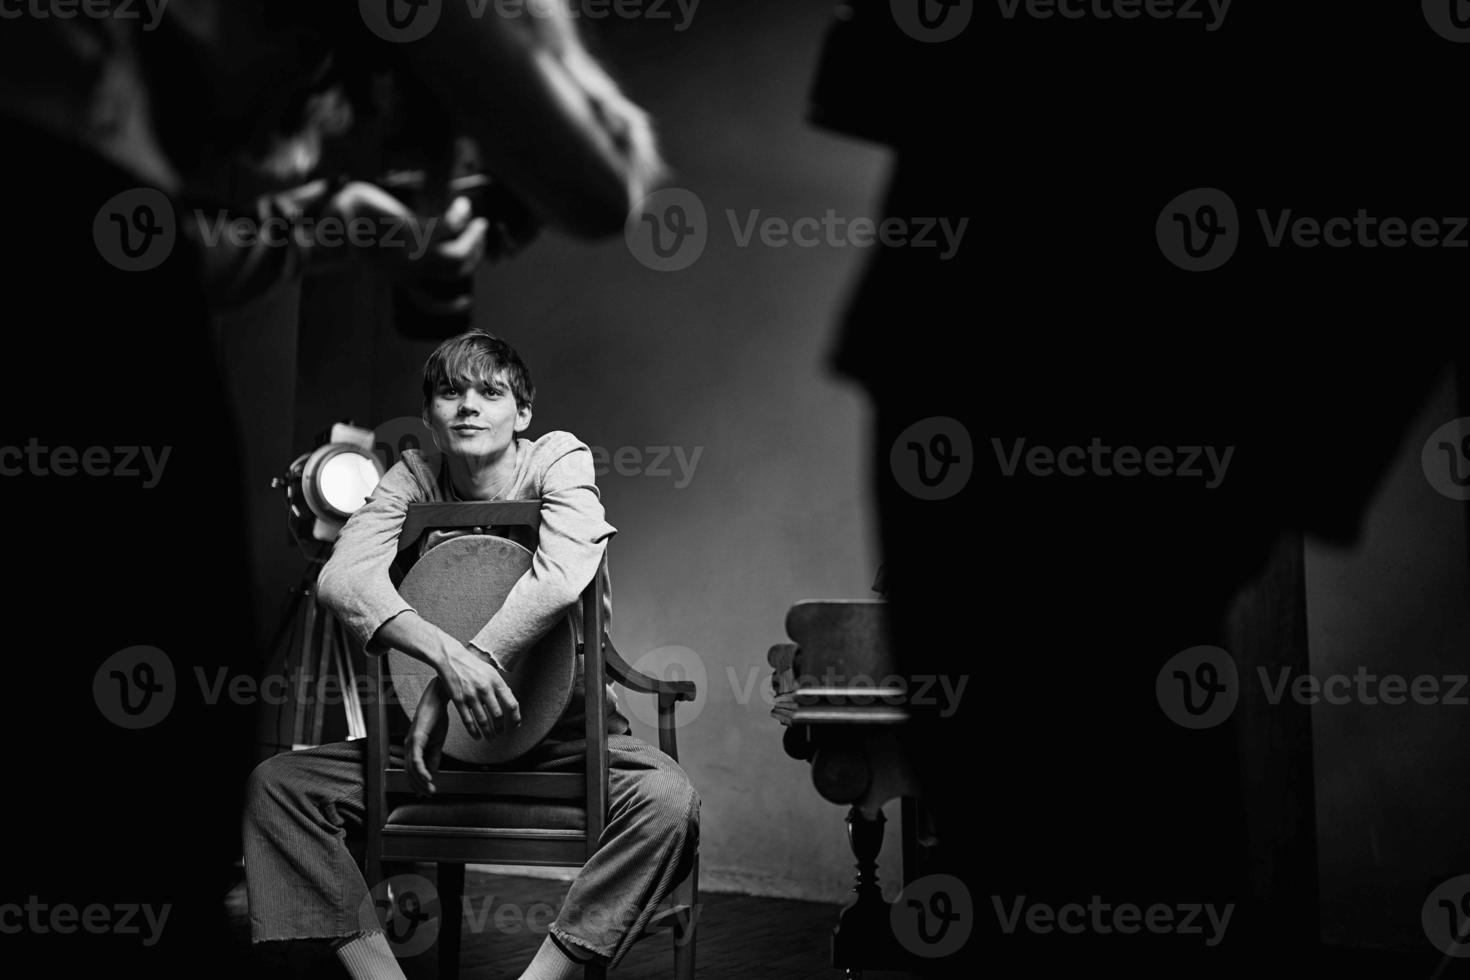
(739, 937)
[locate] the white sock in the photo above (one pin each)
(370, 958)
(552, 964)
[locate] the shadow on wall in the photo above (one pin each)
(1391, 792)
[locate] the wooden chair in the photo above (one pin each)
(540, 818)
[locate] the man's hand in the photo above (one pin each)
(425, 740)
(482, 696)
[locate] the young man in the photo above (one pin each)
(303, 883)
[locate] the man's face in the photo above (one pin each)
(477, 422)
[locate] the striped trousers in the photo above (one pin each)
(303, 881)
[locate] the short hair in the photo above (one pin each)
(477, 358)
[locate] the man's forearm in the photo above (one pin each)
(417, 637)
(422, 640)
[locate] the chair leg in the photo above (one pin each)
(686, 893)
(451, 917)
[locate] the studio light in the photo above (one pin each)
(325, 486)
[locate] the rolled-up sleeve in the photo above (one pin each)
(355, 583)
(572, 539)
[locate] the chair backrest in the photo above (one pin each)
(589, 787)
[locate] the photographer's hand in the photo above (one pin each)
(549, 120)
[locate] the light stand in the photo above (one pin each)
(323, 488)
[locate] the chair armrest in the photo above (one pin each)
(624, 674)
